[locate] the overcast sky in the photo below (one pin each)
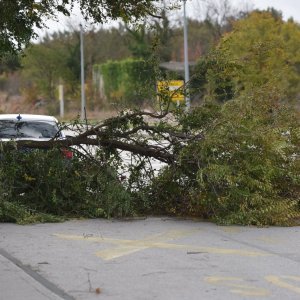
(289, 8)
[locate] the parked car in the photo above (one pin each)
(30, 127)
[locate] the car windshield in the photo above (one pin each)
(27, 129)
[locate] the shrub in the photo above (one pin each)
(246, 168)
(42, 186)
(129, 81)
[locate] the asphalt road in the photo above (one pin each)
(155, 258)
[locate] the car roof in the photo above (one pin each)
(28, 117)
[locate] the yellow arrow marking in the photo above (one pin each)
(125, 247)
(276, 280)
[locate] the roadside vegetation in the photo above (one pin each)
(234, 158)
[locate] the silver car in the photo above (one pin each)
(30, 127)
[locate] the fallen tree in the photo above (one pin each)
(234, 163)
(126, 132)
(234, 159)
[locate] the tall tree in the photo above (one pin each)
(264, 47)
(139, 41)
(9, 63)
(44, 64)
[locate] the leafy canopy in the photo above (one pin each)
(245, 169)
(267, 49)
(18, 18)
(261, 49)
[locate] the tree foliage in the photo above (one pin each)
(264, 47)
(59, 54)
(45, 64)
(128, 81)
(244, 171)
(235, 159)
(18, 18)
(235, 163)
(55, 188)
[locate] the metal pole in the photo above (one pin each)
(186, 57)
(82, 75)
(61, 100)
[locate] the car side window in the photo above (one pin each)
(28, 129)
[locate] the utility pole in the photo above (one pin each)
(83, 114)
(186, 58)
(61, 100)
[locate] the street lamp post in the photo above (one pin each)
(186, 57)
(83, 114)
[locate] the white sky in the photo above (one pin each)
(289, 8)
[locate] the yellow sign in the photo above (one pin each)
(172, 88)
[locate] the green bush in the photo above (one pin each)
(42, 186)
(245, 169)
(128, 81)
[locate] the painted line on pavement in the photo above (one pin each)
(238, 286)
(281, 282)
(126, 247)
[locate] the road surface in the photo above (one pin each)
(152, 258)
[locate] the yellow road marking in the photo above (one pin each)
(125, 247)
(230, 229)
(276, 280)
(269, 240)
(238, 286)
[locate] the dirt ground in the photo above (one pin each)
(10, 104)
